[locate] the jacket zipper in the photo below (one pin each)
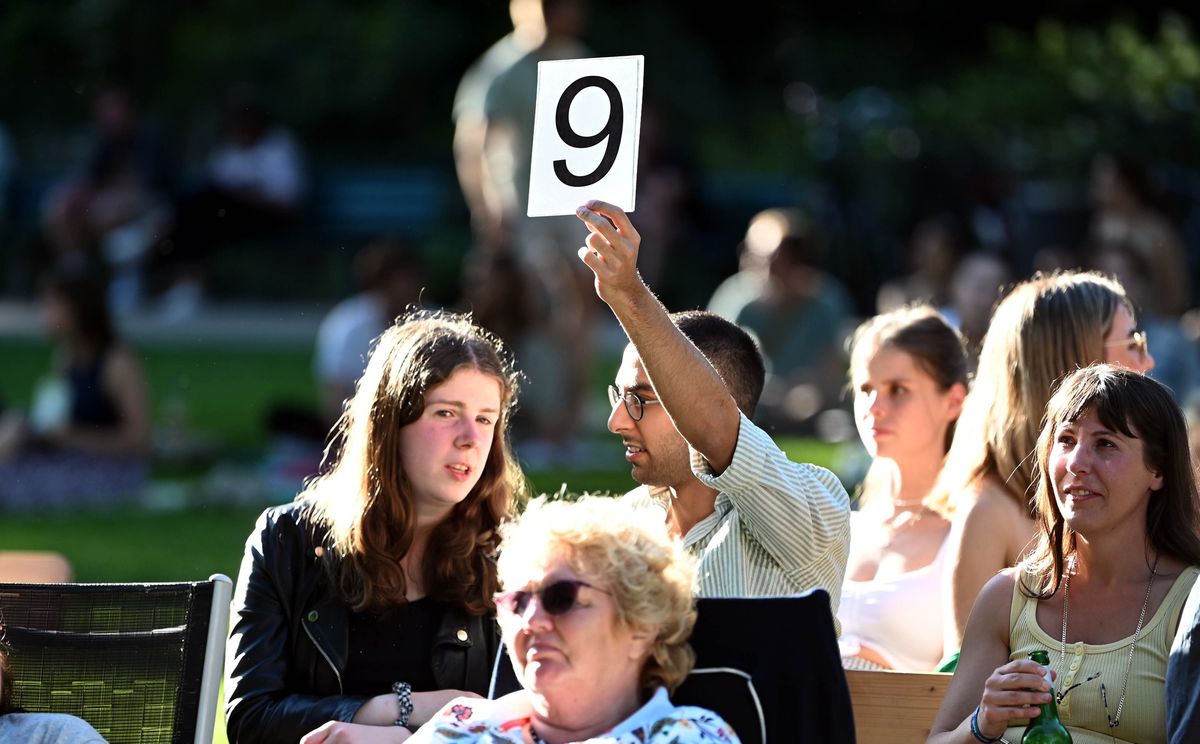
(324, 656)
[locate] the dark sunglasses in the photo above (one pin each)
(557, 598)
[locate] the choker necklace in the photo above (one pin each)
(904, 515)
(1113, 721)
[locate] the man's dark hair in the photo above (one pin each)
(730, 350)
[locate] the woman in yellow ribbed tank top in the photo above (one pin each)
(1117, 553)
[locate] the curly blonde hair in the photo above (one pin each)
(628, 552)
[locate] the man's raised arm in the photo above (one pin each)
(692, 392)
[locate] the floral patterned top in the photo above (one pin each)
(508, 721)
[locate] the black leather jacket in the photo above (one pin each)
(289, 638)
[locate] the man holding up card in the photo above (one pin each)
(760, 524)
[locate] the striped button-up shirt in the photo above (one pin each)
(778, 527)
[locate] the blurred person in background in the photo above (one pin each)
(975, 287)
(669, 209)
(799, 314)
(554, 323)
(1126, 211)
(908, 372)
(120, 204)
(1042, 330)
(8, 168)
(87, 437)
(390, 279)
(933, 252)
(254, 186)
(469, 114)
(1176, 359)
(495, 288)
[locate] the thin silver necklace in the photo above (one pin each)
(1137, 633)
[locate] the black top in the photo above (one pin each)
(393, 648)
(289, 637)
(90, 405)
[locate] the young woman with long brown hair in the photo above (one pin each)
(366, 604)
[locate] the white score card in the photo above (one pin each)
(586, 128)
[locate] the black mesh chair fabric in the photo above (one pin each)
(788, 647)
(128, 658)
(769, 666)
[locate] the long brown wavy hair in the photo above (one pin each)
(1136, 406)
(365, 500)
(1043, 329)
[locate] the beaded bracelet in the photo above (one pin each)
(404, 704)
(979, 734)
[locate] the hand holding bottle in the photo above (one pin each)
(1015, 691)
(1046, 728)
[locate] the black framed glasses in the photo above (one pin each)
(635, 405)
(556, 598)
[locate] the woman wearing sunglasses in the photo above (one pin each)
(1117, 551)
(1045, 328)
(365, 605)
(597, 609)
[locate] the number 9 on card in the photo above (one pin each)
(585, 134)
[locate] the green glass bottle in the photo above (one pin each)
(1046, 728)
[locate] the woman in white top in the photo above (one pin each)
(908, 370)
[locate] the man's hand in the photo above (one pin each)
(611, 252)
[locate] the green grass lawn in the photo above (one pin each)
(222, 392)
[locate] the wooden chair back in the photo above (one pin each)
(895, 707)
